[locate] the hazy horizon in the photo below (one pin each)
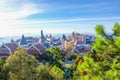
(19, 17)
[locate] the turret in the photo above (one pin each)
(42, 37)
(64, 37)
(12, 41)
(23, 40)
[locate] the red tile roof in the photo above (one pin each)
(5, 51)
(33, 51)
(36, 49)
(12, 46)
(40, 47)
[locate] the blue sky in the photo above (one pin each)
(19, 17)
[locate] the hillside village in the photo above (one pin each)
(74, 43)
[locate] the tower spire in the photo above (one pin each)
(42, 37)
(23, 40)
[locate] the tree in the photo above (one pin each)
(71, 71)
(57, 73)
(103, 63)
(89, 69)
(47, 72)
(55, 56)
(116, 29)
(107, 45)
(21, 66)
(2, 72)
(100, 30)
(43, 72)
(114, 72)
(54, 52)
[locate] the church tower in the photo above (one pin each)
(23, 41)
(42, 37)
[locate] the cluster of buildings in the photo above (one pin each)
(75, 43)
(78, 43)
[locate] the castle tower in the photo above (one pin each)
(42, 37)
(12, 41)
(23, 40)
(64, 38)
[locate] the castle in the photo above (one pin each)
(75, 43)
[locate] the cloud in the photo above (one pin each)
(17, 12)
(14, 15)
(11, 11)
(69, 20)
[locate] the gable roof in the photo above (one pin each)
(8, 48)
(12, 41)
(12, 46)
(40, 48)
(4, 51)
(36, 49)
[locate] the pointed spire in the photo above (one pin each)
(47, 36)
(12, 41)
(23, 40)
(42, 37)
(73, 34)
(50, 35)
(64, 37)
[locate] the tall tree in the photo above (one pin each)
(21, 66)
(55, 56)
(103, 63)
(47, 72)
(2, 72)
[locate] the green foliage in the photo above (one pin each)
(54, 51)
(107, 45)
(117, 42)
(104, 62)
(101, 64)
(100, 30)
(55, 56)
(2, 73)
(43, 72)
(20, 66)
(57, 73)
(47, 72)
(1, 64)
(74, 72)
(99, 44)
(76, 59)
(114, 72)
(116, 29)
(76, 75)
(90, 68)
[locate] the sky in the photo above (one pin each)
(19, 17)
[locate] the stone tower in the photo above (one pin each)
(42, 37)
